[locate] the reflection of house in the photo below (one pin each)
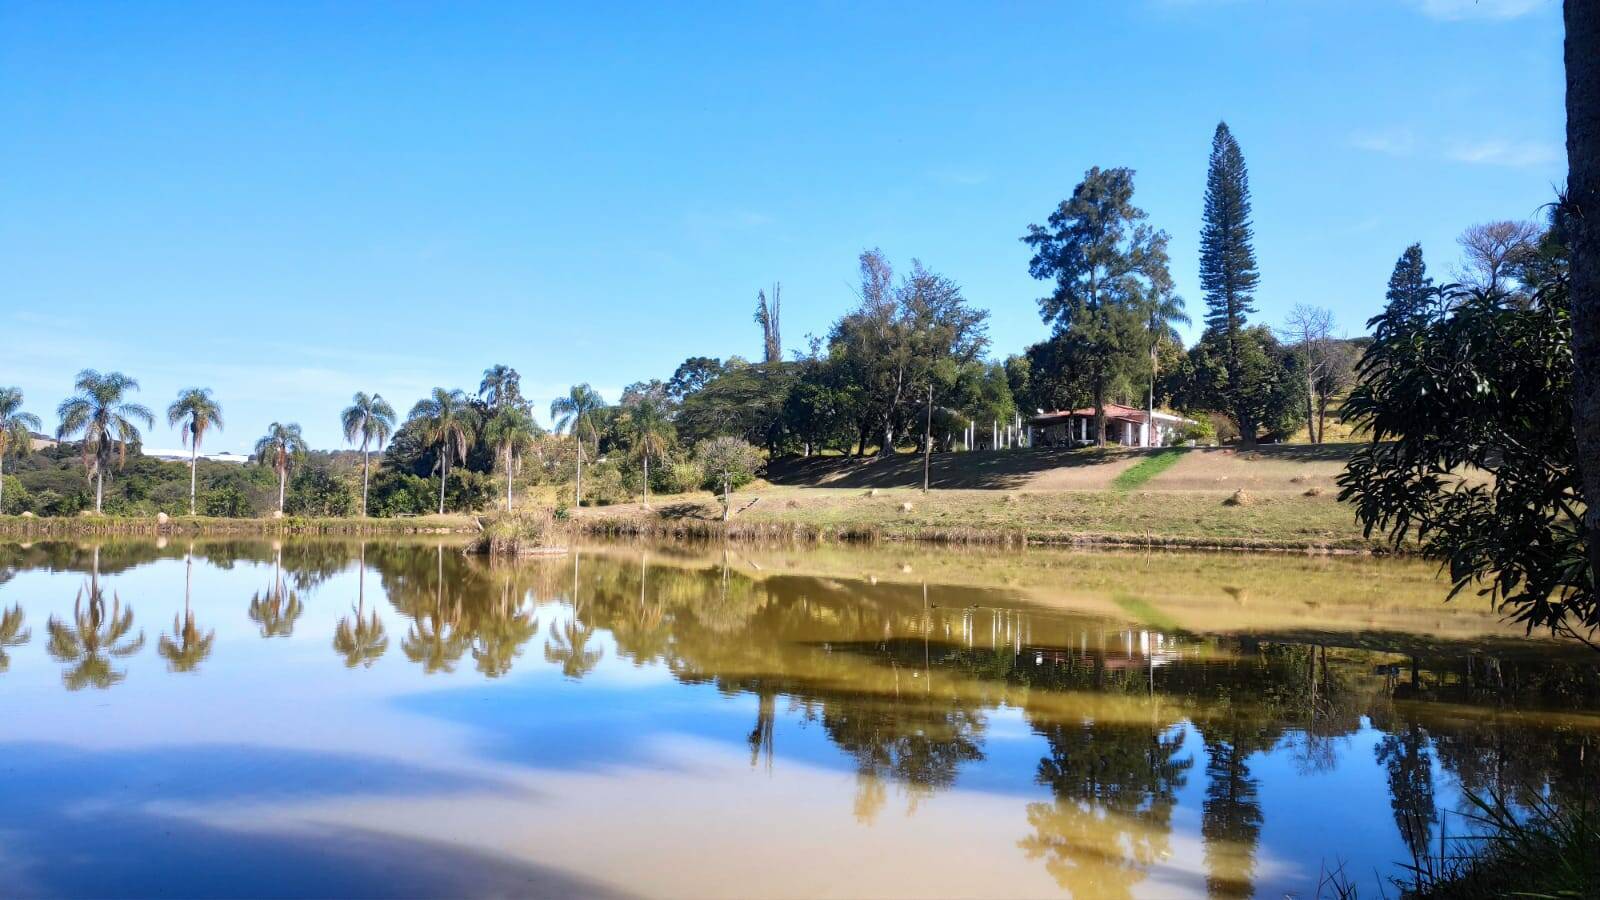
(1124, 425)
(41, 441)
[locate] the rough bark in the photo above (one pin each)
(194, 456)
(1583, 220)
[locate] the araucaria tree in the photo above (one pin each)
(1411, 296)
(445, 420)
(1228, 272)
(16, 432)
(575, 413)
(280, 446)
(369, 420)
(106, 422)
(1108, 268)
(194, 412)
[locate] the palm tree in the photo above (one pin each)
(16, 432)
(281, 445)
(510, 431)
(1166, 313)
(361, 643)
(197, 412)
(372, 420)
(105, 419)
(445, 419)
(651, 431)
(501, 387)
(185, 648)
(575, 412)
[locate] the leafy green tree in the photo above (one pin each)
(1271, 385)
(370, 419)
(196, 412)
(511, 431)
(1228, 273)
(1107, 266)
(747, 400)
(691, 375)
(1483, 382)
(728, 462)
(280, 446)
(318, 490)
(445, 420)
(1164, 312)
(16, 429)
(106, 422)
(575, 413)
(650, 434)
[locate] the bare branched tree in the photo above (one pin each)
(767, 316)
(1490, 251)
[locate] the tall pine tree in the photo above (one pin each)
(1228, 272)
(1411, 292)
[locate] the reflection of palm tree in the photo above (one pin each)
(364, 640)
(569, 645)
(500, 636)
(436, 640)
(94, 637)
(11, 634)
(277, 609)
(185, 648)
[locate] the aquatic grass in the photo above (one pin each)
(1145, 469)
(1544, 851)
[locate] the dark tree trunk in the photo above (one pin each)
(1583, 220)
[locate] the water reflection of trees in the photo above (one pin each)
(362, 640)
(95, 637)
(277, 608)
(185, 648)
(12, 633)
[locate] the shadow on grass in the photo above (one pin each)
(981, 470)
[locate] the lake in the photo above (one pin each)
(393, 718)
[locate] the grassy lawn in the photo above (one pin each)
(1145, 469)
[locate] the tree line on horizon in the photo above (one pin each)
(906, 368)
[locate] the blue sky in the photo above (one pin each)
(291, 202)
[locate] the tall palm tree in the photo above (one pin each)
(16, 432)
(198, 413)
(371, 419)
(185, 648)
(446, 420)
(575, 412)
(510, 430)
(1165, 310)
(651, 433)
(281, 445)
(501, 387)
(105, 419)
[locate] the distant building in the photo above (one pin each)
(182, 456)
(1125, 425)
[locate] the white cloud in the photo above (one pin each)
(1482, 10)
(1391, 142)
(1501, 152)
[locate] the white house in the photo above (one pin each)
(1125, 425)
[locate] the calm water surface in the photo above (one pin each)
(359, 719)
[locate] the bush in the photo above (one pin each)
(678, 476)
(525, 532)
(318, 491)
(1202, 433)
(226, 501)
(14, 498)
(393, 493)
(603, 484)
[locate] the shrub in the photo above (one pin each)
(603, 484)
(15, 499)
(226, 501)
(318, 491)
